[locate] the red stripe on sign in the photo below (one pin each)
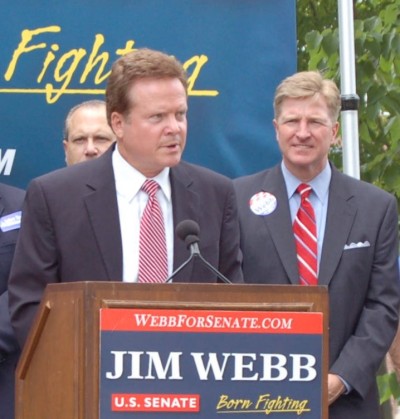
(210, 321)
(155, 402)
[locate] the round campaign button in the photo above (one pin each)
(262, 203)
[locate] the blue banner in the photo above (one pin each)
(56, 54)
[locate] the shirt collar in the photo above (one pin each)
(128, 180)
(320, 184)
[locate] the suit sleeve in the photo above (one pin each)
(11, 202)
(365, 349)
(8, 343)
(35, 262)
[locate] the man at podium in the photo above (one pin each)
(114, 217)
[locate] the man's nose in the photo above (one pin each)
(91, 148)
(303, 130)
(173, 125)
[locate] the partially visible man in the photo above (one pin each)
(341, 233)
(84, 222)
(87, 134)
(10, 215)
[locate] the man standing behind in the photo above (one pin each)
(87, 134)
(114, 217)
(341, 233)
(10, 215)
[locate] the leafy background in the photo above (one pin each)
(377, 50)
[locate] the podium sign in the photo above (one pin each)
(204, 362)
(119, 350)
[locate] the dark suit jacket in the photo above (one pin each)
(70, 231)
(363, 282)
(10, 201)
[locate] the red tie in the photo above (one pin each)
(305, 233)
(153, 262)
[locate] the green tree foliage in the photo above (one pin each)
(377, 48)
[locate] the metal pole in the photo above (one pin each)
(350, 99)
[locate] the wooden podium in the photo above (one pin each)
(58, 373)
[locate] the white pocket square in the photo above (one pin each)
(357, 245)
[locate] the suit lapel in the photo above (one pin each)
(186, 206)
(2, 207)
(279, 223)
(340, 217)
(102, 212)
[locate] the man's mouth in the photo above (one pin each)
(303, 146)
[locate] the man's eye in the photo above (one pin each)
(317, 123)
(180, 116)
(103, 140)
(156, 117)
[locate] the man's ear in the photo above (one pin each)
(117, 121)
(335, 130)
(65, 145)
(275, 124)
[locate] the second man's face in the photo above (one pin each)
(153, 135)
(305, 133)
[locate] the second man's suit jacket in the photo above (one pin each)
(358, 265)
(70, 231)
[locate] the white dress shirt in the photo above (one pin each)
(131, 203)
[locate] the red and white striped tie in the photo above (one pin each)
(305, 233)
(153, 262)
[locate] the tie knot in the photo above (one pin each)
(150, 187)
(304, 190)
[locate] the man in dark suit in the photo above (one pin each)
(82, 222)
(356, 237)
(10, 217)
